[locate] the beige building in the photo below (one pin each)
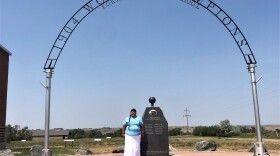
(54, 134)
(4, 67)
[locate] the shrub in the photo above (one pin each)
(15, 133)
(175, 131)
(77, 133)
(206, 131)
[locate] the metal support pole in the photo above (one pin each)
(259, 148)
(46, 151)
(187, 116)
(187, 126)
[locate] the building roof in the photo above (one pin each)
(4, 49)
(41, 133)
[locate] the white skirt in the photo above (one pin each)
(132, 145)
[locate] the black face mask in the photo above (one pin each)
(130, 117)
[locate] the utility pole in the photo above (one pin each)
(187, 116)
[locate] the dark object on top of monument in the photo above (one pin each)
(152, 100)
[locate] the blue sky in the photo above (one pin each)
(120, 56)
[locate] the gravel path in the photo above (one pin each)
(196, 153)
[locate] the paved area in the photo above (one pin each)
(196, 153)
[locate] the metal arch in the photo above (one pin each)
(91, 5)
(70, 26)
(231, 26)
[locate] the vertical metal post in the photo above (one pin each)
(187, 116)
(259, 148)
(46, 151)
(187, 126)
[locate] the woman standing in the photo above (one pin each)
(132, 130)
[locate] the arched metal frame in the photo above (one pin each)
(213, 8)
(90, 6)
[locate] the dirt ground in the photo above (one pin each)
(196, 153)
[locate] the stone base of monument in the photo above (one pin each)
(6, 152)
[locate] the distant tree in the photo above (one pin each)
(15, 133)
(10, 133)
(95, 134)
(92, 133)
(226, 128)
(197, 130)
(235, 131)
(253, 129)
(77, 133)
(245, 129)
(212, 131)
(263, 130)
(98, 134)
(206, 131)
(175, 131)
(24, 134)
(118, 133)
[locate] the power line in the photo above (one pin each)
(187, 116)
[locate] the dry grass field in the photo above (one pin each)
(181, 145)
